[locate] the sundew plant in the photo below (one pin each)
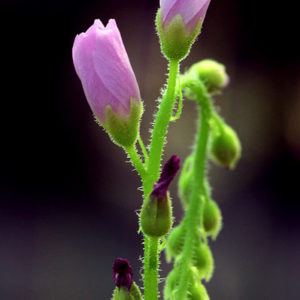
(112, 91)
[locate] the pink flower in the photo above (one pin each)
(102, 64)
(191, 12)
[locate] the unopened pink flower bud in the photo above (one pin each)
(178, 24)
(109, 83)
(191, 12)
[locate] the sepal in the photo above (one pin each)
(124, 294)
(156, 216)
(175, 41)
(123, 131)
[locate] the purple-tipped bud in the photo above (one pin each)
(156, 214)
(191, 12)
(168, 173)
(122, 273)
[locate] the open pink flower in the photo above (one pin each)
(191, 12)
(102, 64)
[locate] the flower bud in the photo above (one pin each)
(156, 213)
(178, 24)
(175, 242)
(108, 81)
(126, 288)
(203, 261)
(212, 218)
(212, 74)
(225, 147)
(196, 290)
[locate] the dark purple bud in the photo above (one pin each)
(122, 273)
(168, 173)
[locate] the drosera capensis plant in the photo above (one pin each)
(112, 91)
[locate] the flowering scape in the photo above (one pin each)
(113, 94)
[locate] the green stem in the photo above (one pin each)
(144, 150)
(151, 276)
(199, 166)
(218, 121)
(151, 253)
(160, 128)
(136, 161)
(179, 105)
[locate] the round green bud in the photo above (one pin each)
(196, 290)
(175, 40)
(156, 216)
(203, 261)
(225, 147)
(212, 218)
(175, 242)
(212, 73)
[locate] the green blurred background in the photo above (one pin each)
(68, 200)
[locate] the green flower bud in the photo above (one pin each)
(156, 216)
(197, 291)
(212, 218)
(175, 242)
(225, 147)
(212, 74)
(203, 261)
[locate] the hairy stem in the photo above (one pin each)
(136, 161)
(198, 189)
(151, 253)
(152, 262)
(144, 150)
(160, 128)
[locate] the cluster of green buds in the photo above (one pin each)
(225, 147)
(224, 150)
(196, 290)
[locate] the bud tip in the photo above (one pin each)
(168, 173)
(122, 273)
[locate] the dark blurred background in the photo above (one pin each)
(68, 200)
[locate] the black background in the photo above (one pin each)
(68, 200)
